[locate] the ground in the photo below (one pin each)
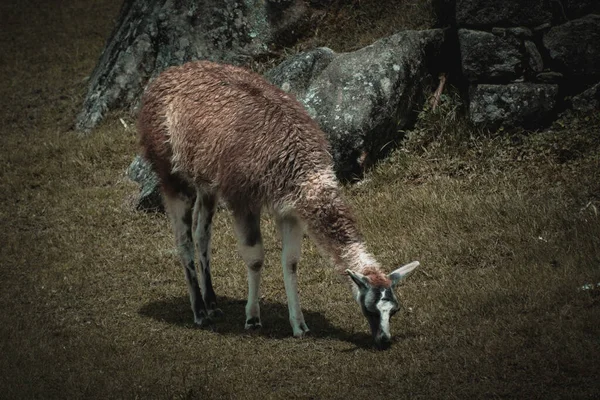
(93, 300)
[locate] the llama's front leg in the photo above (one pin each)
(204, 210)
(247, 229)
(179, 209)
(291, 236)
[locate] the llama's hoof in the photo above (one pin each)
(301, 330)
(216, 313)
(204, 322)
(253, 323)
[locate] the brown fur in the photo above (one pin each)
(230, 132)
(376, 277)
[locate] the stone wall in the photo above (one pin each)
(522, 59)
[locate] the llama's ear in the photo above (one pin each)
(359, 279)
(402, 272)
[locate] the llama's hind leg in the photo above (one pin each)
(179, 209)
(247, 229)
(204, 210)
(291, 236)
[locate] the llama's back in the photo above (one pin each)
(228, 128)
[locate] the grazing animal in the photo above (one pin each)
(217, 131)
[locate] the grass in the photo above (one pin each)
(94, 302)
(350, 25)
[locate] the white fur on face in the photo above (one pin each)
(379, 304)
(385, 308)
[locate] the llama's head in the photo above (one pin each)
(377, 300)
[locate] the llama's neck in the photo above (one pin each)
(355, 256)
(339, 239)
(330, 222)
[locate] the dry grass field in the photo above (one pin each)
(93, 302)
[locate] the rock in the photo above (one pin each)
(513, 105)
(296, 73)
(487, 57)
(575, 47)
(550, 77)
(518, 32)
(587, 101)
(151, 35)
(542, 28)
(149, 197)
(534, 58)
(571, 9)
(488, 13)
(363, 98)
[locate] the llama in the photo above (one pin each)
(213, 131)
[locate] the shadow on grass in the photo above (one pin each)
(176, 311)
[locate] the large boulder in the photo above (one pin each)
(364, 98)
(571, 9)
(575, 47)
(296, 74)
(535, 62)
(151, 35)
(488, 13)
(588, 100)
(489, 57)
(149, 197)
(512, 105)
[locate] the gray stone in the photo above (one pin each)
(543, 27)
(487, 57)
(587, 101)
(488, 13)
(534, 58)
(575, 47)
(512, 105)
(518, 32)
(149, 197)
(295, 74)
(550, 77)
(363, 98)
(571, 9)
(151, 35)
